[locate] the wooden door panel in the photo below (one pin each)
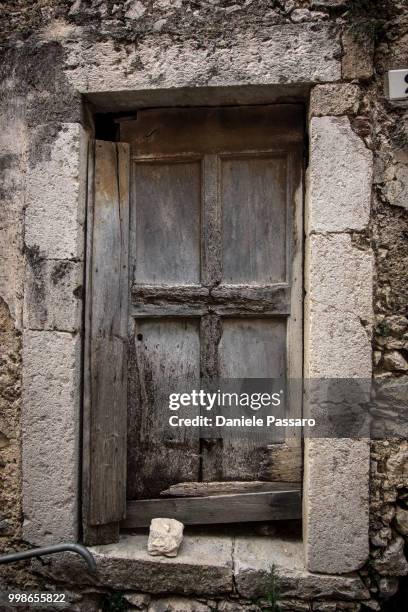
(166, 223)
(165, 352)
(253, 348)
(249, 348)
(253, 200)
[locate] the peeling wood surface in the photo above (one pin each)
(282, 463)
(165, 351)
(235, 508)
(268, 300)
(204, 489)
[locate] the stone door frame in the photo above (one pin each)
(337, 331)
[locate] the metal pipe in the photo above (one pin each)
(50, 550)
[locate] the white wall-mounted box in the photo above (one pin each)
(396, 85)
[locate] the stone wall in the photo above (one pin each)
(52, 50)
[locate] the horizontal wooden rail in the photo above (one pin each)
(265, 300)
(236, 508)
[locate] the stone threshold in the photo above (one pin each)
(206, 565)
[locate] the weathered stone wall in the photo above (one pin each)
(55, 48)
(11, 291)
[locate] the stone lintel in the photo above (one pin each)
(286, 53)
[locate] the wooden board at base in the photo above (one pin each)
(248, 507)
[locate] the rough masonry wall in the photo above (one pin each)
(55, 48)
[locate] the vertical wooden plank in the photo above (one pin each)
(211, 240)
(295, 276)
(89, 536)
(211, 450)
(105, 381)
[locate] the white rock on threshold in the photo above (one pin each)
(165, 537)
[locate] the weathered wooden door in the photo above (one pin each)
(215, 264)
(215, 291)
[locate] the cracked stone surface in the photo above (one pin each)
(207, 565)
(254, 556)
(203, 565)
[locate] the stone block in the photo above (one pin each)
(139, 601)
(12, 287)
(338, 308)
(300, 15)
(50, 435)
(55, 192)
(336, 504)
(135, 9)
(334, 99)
(388, 586)
(293, 605)
(253, 557)
(392, 561)
(396, 189)
(177, 604)
(11, 198)
(397, 465)
(328, 3)
(12, 157)
(401, 521)
(395, 362)
(203, 567)
(290, 53)
(357, 62)
(339, 177)
(53, 292)
(233, 605)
